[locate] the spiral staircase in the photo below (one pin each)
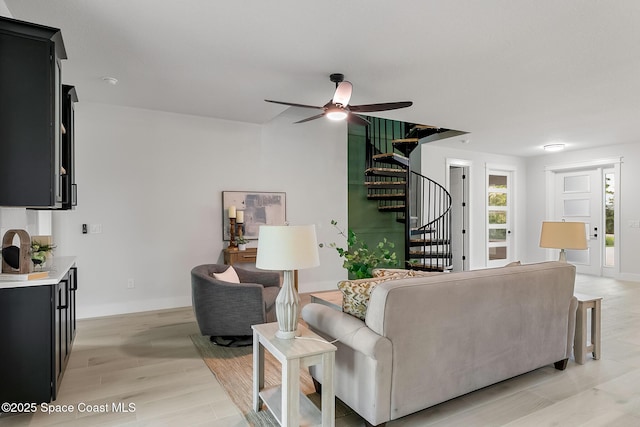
(421, 204)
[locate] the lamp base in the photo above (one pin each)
(287, 308)
(286, 335)
(563, 256)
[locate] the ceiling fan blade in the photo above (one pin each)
(343, 93)
(291, 104)
(385, 106)
(308, 119)
(357, 120)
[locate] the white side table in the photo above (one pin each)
(290, 407)
(580, 346)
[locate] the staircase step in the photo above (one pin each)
(429, 255)
(386, 196)
(404, 141)
(385, 184)
(391, 208)
(417, 231)
(429, 242)
(430, 267)
(392, 158)
(405, 145)
(393, 172)
(421, 131)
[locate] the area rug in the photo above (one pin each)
(233, 367)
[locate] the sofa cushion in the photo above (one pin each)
(356, 293)
(229, 275)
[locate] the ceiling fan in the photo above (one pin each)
(338, 107)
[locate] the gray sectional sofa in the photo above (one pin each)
(429, 339)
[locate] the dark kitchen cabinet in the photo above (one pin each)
(30, 114)
(37, 329)
(68, 171)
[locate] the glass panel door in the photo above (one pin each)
(498, 218)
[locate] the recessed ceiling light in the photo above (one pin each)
(464, 141)
(111, 80)
(554, 147)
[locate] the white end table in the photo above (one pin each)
(331, 299)
(290, 407)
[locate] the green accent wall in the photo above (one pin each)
(365, 220)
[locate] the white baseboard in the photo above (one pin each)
(631, 277)
(101, 310)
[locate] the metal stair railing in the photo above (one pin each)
(429, 225)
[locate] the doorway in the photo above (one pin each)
(500, 209)
(579, 199)
(459, 190)
(586, 192)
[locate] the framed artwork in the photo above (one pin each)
(259, 207)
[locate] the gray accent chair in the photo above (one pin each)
(226, 309)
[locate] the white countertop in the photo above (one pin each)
(57, 268)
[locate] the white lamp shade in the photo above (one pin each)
(563, 235)
(282, 247)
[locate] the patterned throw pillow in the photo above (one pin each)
(356, 293)
(229, 275)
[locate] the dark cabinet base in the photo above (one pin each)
(37, 327)
(27, 335)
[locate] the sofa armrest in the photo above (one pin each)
(350, 331)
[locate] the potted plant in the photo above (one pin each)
(359, 259)
(39, 252)
(242, 243)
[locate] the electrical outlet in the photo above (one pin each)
(96, 228)
(131, 284)
(634, 223)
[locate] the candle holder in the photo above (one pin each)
(232, 233)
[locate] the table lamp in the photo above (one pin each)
(563, 235)
(287, 248)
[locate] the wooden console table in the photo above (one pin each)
(235, 256)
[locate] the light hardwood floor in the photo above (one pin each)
(149, 360)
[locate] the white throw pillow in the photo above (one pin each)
(229, 275)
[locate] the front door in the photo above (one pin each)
(579, 199)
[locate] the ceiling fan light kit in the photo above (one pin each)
(336, 113)
(338, 108)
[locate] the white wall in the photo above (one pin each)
(434, 161)
(4, 11)
(153, 180)
(626, 190)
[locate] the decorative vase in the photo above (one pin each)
(242, 246)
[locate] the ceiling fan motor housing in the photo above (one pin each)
(336, 78)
